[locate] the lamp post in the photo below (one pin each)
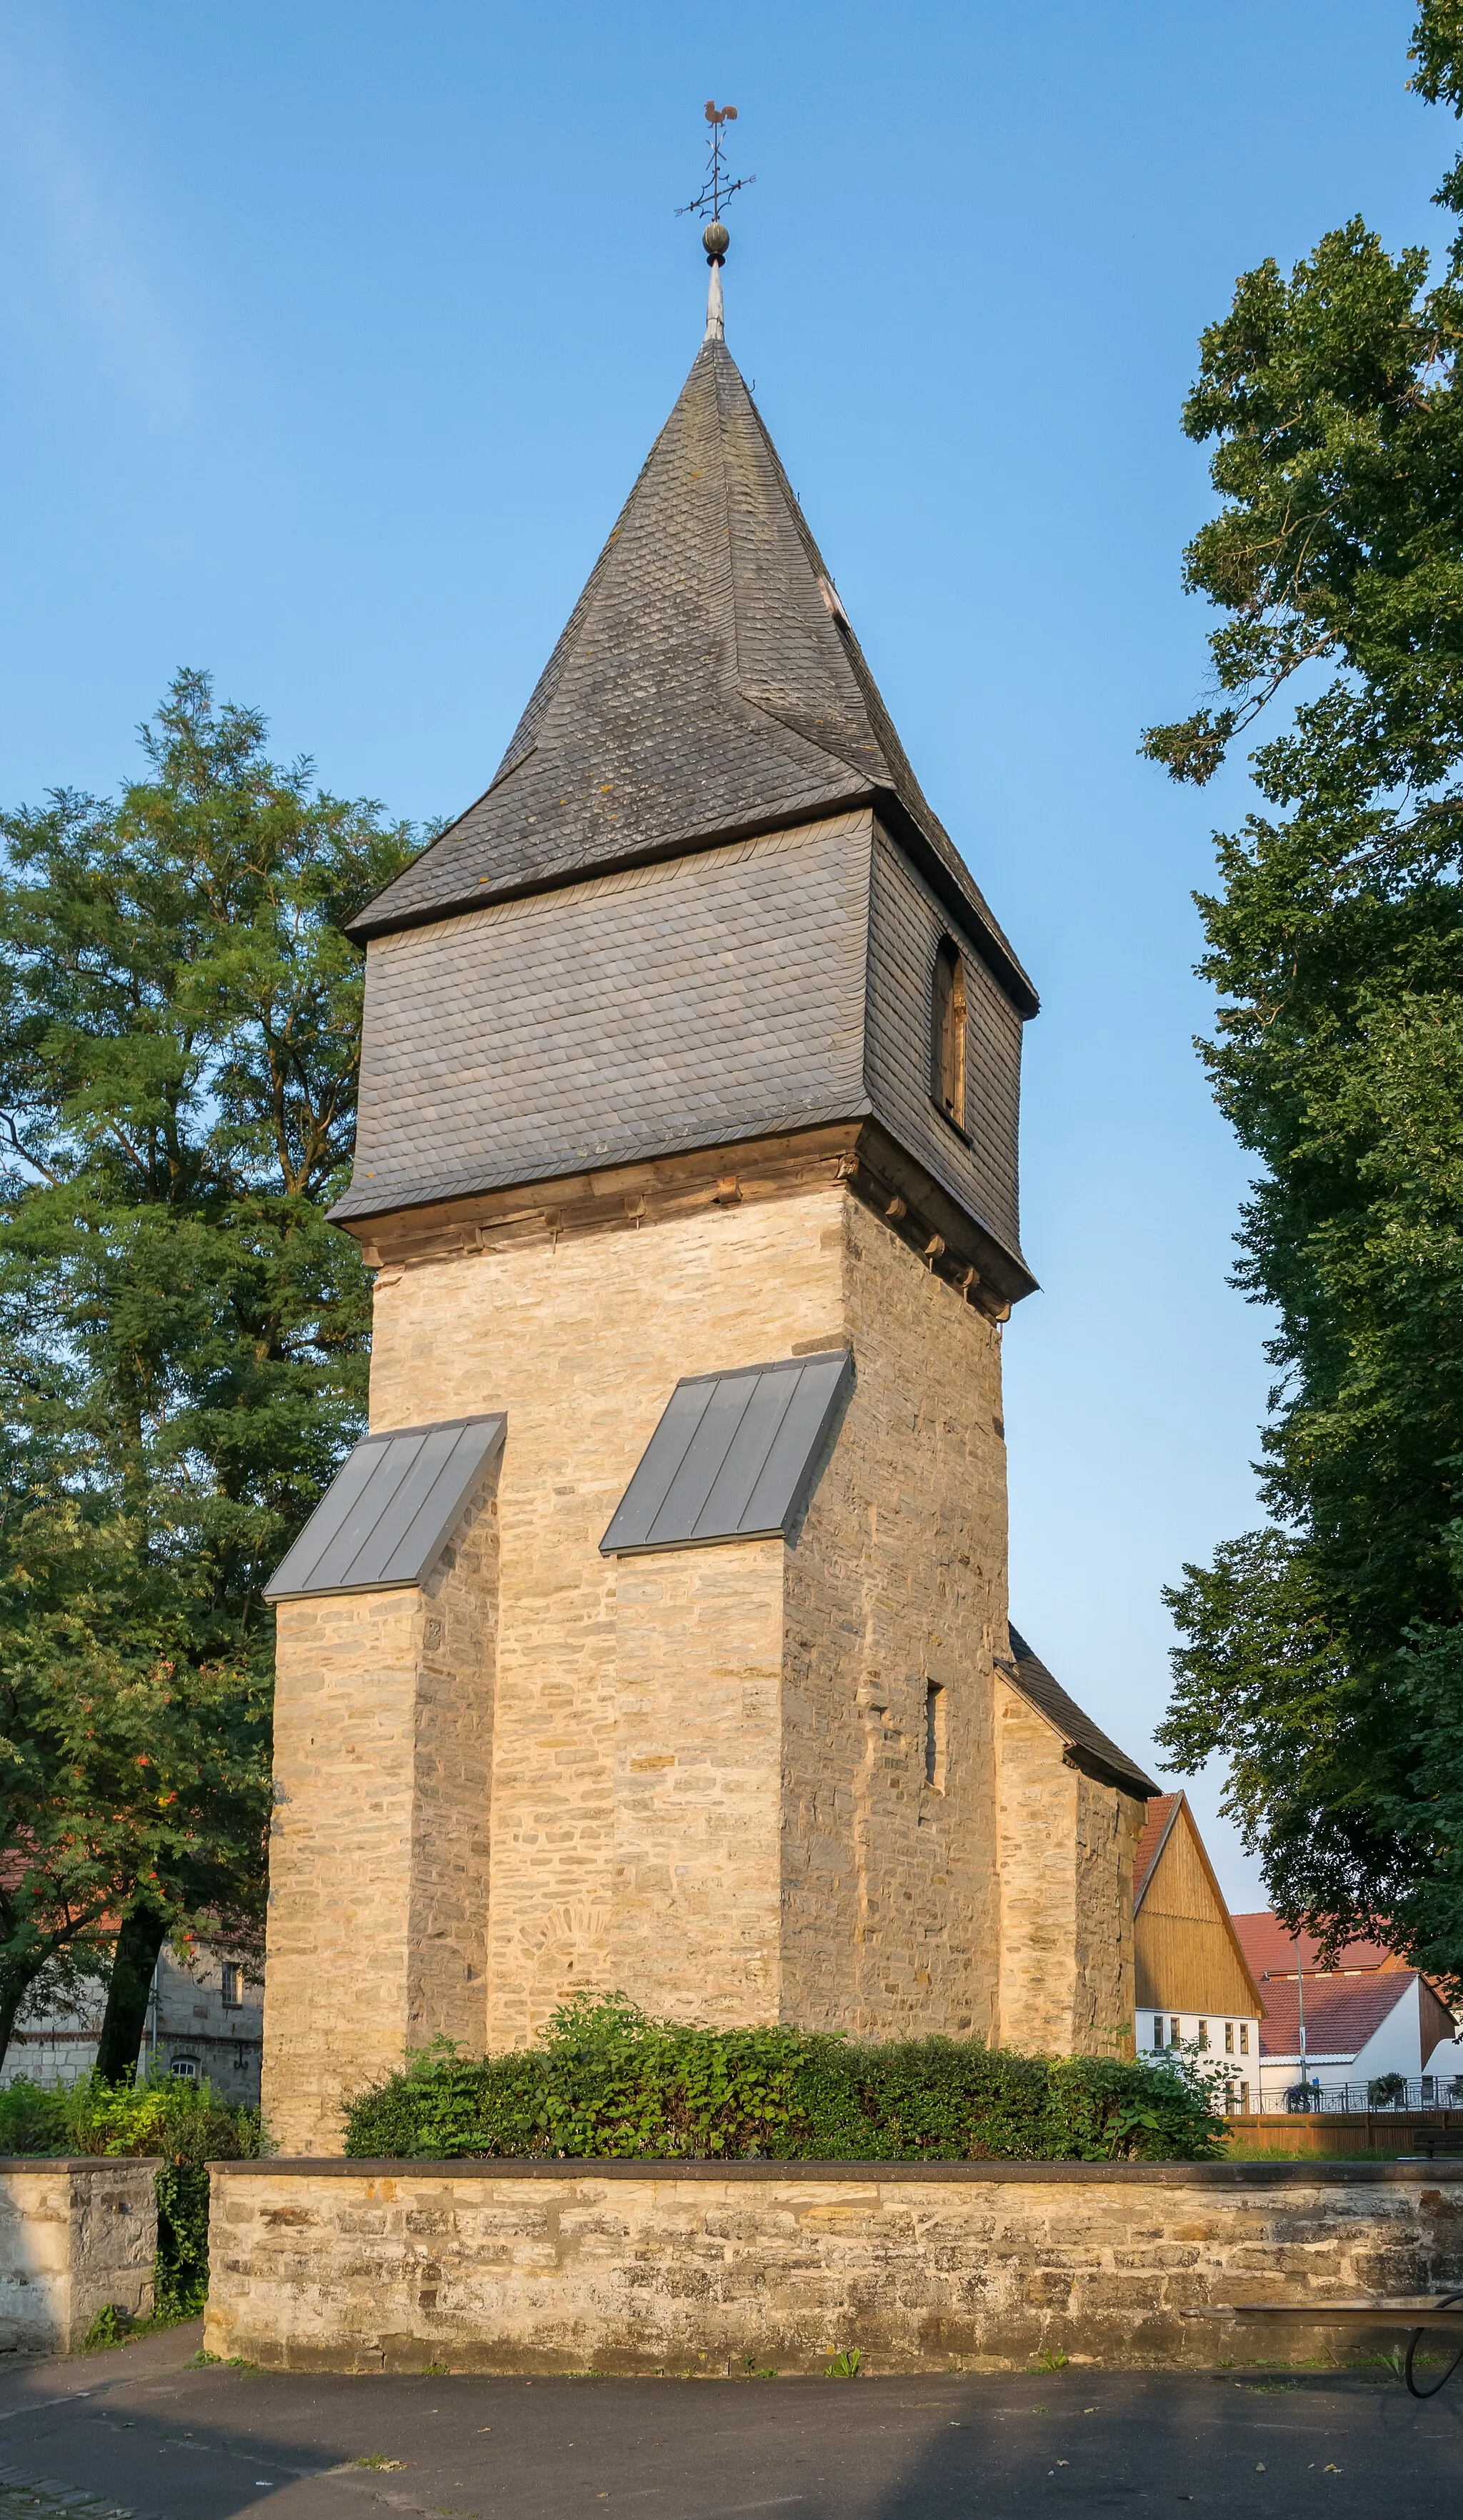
(1301, 2016)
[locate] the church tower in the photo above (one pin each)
(656, 1637)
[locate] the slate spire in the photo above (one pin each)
(708, 685)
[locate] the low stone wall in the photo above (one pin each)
(712, 2269)
(74, 2236)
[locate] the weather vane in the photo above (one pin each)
(716, 187)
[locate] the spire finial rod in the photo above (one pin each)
(713, 192)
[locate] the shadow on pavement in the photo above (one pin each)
(144, 2430)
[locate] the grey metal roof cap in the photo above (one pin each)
(390, 1510)
(735, 1456)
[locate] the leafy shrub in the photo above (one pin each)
(186, 2123)
(608, 2083)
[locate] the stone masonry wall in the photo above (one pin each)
(897, 1585)
(650, 1712)
(695, 2268)
(581, 1339)
(378, 1893)
(1037, 1798)
(1067, 1846)
(694, 1925)
(74, 2237)
(1109, 1826)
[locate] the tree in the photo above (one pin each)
(1323, 1656)
(182, 1334)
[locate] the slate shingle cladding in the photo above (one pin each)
(706, 684)
(778, 983)
(702, 899)
(682, 1004)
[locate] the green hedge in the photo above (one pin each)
(186, 2123)
(607, 2083)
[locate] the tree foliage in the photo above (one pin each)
(1323, 1656)
(182, 1333)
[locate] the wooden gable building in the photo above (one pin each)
(1192, 1983)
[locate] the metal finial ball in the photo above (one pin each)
(716, 241)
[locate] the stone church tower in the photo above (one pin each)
(656, 1637)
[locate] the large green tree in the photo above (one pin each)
(182, 1334)
(1322, 1655)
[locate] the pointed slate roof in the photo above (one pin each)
(707, 686)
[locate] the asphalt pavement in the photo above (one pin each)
(143, 2431)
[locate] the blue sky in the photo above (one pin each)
(334, 336)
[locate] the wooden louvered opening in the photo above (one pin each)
(948, 1042)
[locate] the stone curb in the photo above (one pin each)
(871, 2173)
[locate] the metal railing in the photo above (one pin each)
(1388, 2095)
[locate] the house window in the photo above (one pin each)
(1244, 2099)
(184, 2069)
(1158, 2030)
(1204, 2034)
(1244, 2039)
(1228, 2038)
(233, 1986)
(934, 1735)
(1173, 2034)
(947, 1033)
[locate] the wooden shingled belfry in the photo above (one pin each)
(656, 1637)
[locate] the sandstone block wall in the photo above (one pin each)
(1067, 1846)
(695, 2268)
(896, 1600)
(379, 1847)
(74, 2237)
(745, 1782)
(663, 1721)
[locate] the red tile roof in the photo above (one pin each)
(1341, 2012)
(1161, 1810)
(1268, 1945)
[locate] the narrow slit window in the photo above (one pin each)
(1158, 2030)
(948, 1037)
(934, 1735)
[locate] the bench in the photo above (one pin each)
(1425, 2311)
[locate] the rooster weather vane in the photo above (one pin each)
(716, 187)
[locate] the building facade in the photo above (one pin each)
(657, 1638)
(204, 2022)
(1370, 2020)
(1193, 1986)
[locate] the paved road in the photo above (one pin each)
(139, 2432)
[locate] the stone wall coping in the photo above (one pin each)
(80, 2161)
(1317, 2173)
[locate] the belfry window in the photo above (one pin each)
(947, 1033)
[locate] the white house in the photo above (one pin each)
(1366, 2016)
